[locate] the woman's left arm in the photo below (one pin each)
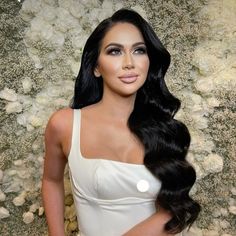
(152, 226)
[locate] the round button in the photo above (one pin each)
(142, 186)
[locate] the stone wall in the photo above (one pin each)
(40, 46)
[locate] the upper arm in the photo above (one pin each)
(55, 159)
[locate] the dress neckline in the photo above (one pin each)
(104, 159)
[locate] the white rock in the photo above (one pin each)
(216, 213)
(47, 32)
(4, 213)
(42, 99)
(77, 10)
(22, 119)
(65, 20)
(233, 190)
(11, 172)
(18, 162)
(12, 107)
(27, 84)
(200, 122)
(232, 209)
(14, 187)
(57, 39)
(36, 121)
(34, 207)
(107, 4)
(8, 94)
(28, 217)
(37, 61)
(19, 201)
(48, 13)
(204, 85)
(31, 6)
(41, 211)
(223, 211)
(213, 163)
(213, 102)
(29, 127)
(37, 23)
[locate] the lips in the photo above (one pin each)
(128, 78)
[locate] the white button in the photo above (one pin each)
(142, 186)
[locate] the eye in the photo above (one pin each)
(114, 51)
(140, 50)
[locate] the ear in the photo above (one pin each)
(97, 72)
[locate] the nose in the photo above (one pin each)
(128, 62)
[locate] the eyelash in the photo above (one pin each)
(117, 51)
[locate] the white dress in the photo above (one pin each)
(110, 196)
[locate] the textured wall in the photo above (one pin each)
(40, 49)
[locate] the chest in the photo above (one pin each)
(111, 180)
(112, 143)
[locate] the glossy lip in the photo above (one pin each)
(128, 78)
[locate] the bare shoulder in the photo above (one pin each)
(60, 122)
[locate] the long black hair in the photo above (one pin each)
(165, 139)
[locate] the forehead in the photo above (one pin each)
(123, 33)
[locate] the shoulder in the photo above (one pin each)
(60, 122)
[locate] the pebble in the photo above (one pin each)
(232, 209)
(69, 212)
(4, 213)
(213, 163)
(18, 162)
(12, 107)
(69, 200)
(34, 207)
(233, 191)
(72, 226)
(28, 217)
(27, 85)
(41, 211)
(8, 94)
(19, 201)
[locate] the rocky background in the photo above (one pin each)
(40, 49)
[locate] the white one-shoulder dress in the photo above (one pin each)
(110, 196)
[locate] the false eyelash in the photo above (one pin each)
(143, 49)
(111, 50)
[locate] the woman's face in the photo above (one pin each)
(123, 61)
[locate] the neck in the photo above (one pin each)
(117, 107)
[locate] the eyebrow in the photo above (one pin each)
(122, 46)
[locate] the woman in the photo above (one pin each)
(125, 151)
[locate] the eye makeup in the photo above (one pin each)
(116, 49)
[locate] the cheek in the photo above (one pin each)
(144, 65)
(107, 67)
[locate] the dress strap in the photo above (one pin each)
(75, 141)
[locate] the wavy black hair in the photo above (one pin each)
(166, 140)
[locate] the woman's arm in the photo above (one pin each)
(53, 176)
(152, 226)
